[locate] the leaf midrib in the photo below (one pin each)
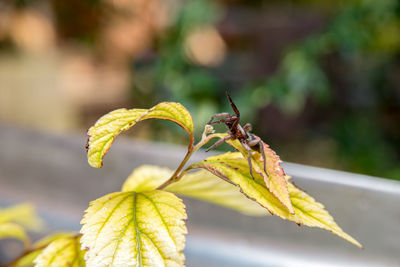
(139, 251)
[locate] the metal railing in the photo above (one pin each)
(51, 171)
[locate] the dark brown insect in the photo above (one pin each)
(236, 131)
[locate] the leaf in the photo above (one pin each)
(208, 187)
(27, 260)
(22, 214)
(13, 230)
(201, 185)
(37, 248)
(62, 252)
(146, 178)
(275, 180)
(103, 133)
(233, 167)
(313, 214)
(135, 229)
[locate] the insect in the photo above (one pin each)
(236, 131)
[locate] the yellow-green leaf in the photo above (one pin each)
(208, 187)
(27, 260)
(234, 168)
(275, 179)
(22, 214)
(146, 178)
(103, 133)
(135, 229)
(13, 230)
(62, 252)
(37, 248)
(313, 213)
(50, 238)
(201, 185)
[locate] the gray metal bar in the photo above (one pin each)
(51, 171)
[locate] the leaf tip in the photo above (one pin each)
(95, 163)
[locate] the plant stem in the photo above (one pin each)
(179, 172)
(26, 252)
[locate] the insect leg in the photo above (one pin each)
(235, 109)
(246, 146)
(219, 142)
(257, 142)
(247, 127)
(228, 119)
(261, 146)
(219, 115)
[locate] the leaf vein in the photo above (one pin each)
(109, 215)
(162, 219)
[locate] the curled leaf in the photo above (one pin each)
(62, 252)
(103, 133)
(13, 230)
(134, 229)
(232, 167)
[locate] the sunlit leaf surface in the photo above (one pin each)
(146, 178)
(102, 134)
(201, 185)
(135, 229)
(275, 180)
(233, 167)
(37, 248)
(206, 186)
(62, 252)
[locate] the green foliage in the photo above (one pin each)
(144, 223)
(358, 29)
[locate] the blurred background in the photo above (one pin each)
(319, 80)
